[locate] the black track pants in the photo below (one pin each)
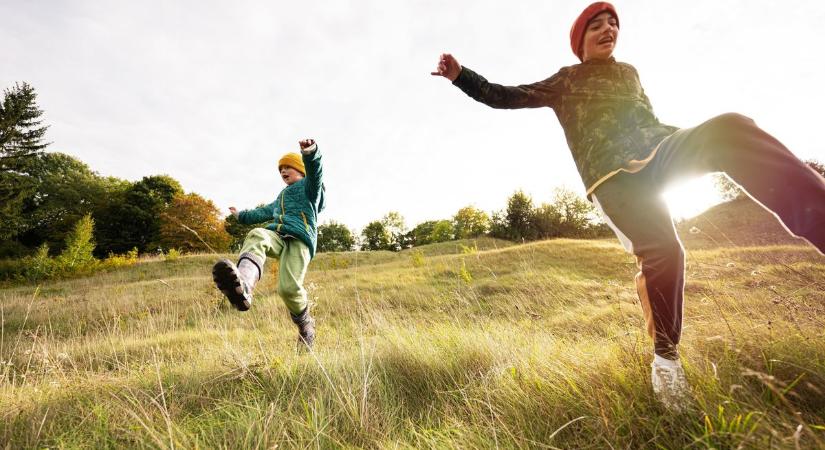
(729, 143)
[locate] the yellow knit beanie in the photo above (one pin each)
(293, 160)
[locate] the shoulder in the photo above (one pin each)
(566, 71)
(627, 67)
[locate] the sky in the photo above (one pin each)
(213, 93)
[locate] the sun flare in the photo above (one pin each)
(692, 197)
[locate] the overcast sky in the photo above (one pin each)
(213, 93)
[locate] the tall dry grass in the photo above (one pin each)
(530, 346)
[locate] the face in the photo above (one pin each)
(290, 175)
(600, 37)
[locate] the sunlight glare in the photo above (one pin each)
(692, 197)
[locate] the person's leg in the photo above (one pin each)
(641, 220)
(634, 209)
(237, 282)
(755, 160)
(259, 244)
(295, 259)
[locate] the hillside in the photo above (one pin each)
(740, 222)
(470, 345)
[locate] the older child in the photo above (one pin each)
(291, 238)
(626, 157)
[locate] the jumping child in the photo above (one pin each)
(291, 239)
(626, 158)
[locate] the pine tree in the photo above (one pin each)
(21, 140)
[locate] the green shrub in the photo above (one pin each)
(171, 255)
(465, 274)
(115, 261)
(39, 266)
(417, 257)
(77, 257)
(11, 269)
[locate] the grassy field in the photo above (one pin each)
(469, 345)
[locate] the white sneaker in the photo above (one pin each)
(669, 383)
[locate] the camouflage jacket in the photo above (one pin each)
(606, 116)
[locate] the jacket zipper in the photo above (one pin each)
(306, 224)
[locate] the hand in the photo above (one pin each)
(447, 67)
(306, 143)
(233, 210)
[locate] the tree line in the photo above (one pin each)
(567, 215)
(45, 195)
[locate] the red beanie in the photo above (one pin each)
(577, 32)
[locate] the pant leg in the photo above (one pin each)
(260, 243)
(295, 259)
(755, 160)
(637, 213)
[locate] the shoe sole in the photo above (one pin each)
(228, 281)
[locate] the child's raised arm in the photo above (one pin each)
(314, 171)
(252, 216)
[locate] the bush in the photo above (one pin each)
(172, 255)
(77, 257)
(39, 266)
(417, 258)
(11, 270)
(114, 261)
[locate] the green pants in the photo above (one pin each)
(294, 259)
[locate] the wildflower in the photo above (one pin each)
(694, 230)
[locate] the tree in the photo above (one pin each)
(568, 216)
(577, 214)
(421, 234)
(816, 165)
(133, 221)
(547, 221)
(470, 222)
(442, 231)
(65, 190)
(394, 224)
(498, 225)
(727, 188)
(377, 237)
(21, 140)
(519, 210)
(80, 244)
(334, 237)
(192, 224)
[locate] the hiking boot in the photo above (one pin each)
(228, 279)
(306, 328)
(669, 384)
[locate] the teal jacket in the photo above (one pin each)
(295, 212)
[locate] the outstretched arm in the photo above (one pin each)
(448, 67)
(314, 171)
(542, 93)
(253, 216)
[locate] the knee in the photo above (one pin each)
(256, 233)
(290, 291)
(730, 120)
(670, 254)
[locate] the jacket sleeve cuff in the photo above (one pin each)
(462, 77)
(309, 150)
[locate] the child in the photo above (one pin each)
(291, 238)
(626, 157)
